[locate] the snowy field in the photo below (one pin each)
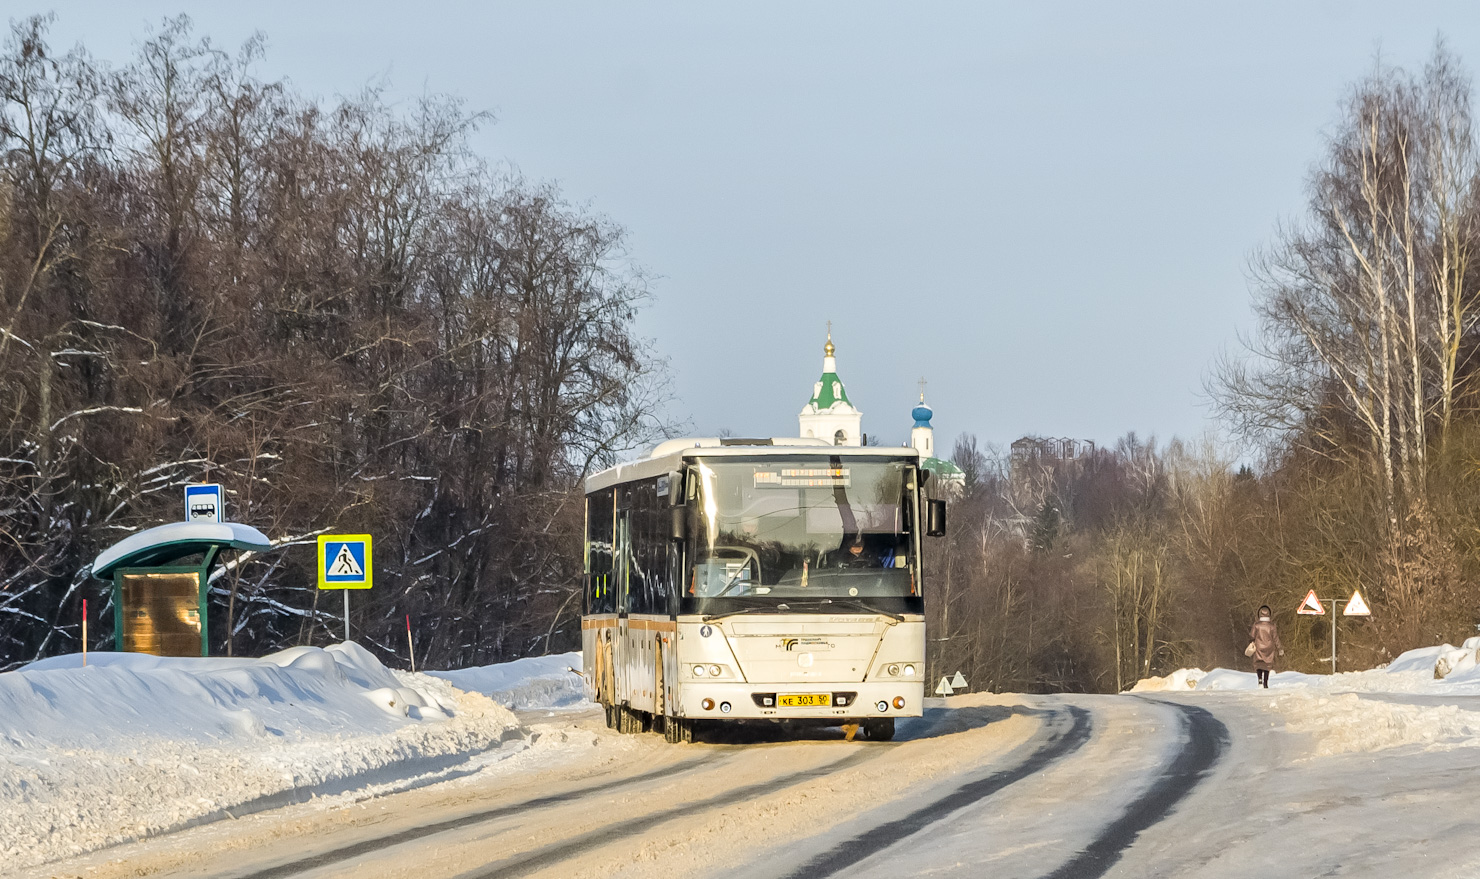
(132, 746)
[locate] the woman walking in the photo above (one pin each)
(1266, 644)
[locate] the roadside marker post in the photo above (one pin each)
(345, 563)
(84, 633)
(410, 645)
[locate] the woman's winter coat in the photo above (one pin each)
(1266, 644)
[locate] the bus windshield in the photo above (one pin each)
(785, 530)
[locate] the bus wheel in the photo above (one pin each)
(881, 730)
(626, 720)
(673, 730)
(611, 716)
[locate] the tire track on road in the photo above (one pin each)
(1060, 744)
(523, 864)
(1207, 740)
(345, 853)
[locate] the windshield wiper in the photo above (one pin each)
(711, 617)
(811, 602)
(858, 605)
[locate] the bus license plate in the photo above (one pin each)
(805, 700)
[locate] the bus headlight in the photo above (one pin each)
(893, 671)
(714, 671)
(909, 671)
(699, 671)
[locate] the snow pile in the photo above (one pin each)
(1227, 679)
(1348, 723)
(1457, 663)
(133, 745)
(1424, 659)
(534, 682)
(1364, 711)
(1180, 680)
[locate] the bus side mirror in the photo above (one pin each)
(673, 483)
(678, 527)
(935, 518)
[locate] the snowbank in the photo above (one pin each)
(1364, 711)
(1437, 671)
(534, 682)
(1180, 680)
(133, 745)
(1347, 723)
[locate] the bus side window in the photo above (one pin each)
(623, 558)
(674, 566)
(656, 555)
(646, 530)
(642, 508)
(660, 567)
(600, 595)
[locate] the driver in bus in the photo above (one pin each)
(854, 554)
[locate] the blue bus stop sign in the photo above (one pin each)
(203, 503)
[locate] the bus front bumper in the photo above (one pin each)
(836, 702)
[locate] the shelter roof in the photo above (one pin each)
(169, 543)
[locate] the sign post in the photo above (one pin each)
(1354, 607)
(345, 563)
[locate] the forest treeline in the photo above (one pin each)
(338, 311)
(334, 309)
(1357, 400)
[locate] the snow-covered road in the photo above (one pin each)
(1204, 785)
(1366, 774)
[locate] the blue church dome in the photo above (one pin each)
(922, 414)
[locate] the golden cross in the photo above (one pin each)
(922, 389)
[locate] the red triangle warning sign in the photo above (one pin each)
(1311, 605)
(1356, 607)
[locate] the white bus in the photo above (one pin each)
(771, 579)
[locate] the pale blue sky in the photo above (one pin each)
(1044, 208)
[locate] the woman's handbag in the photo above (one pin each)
(1249, 651)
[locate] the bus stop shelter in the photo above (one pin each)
(161, 577)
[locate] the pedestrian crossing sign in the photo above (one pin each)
(344, 561)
